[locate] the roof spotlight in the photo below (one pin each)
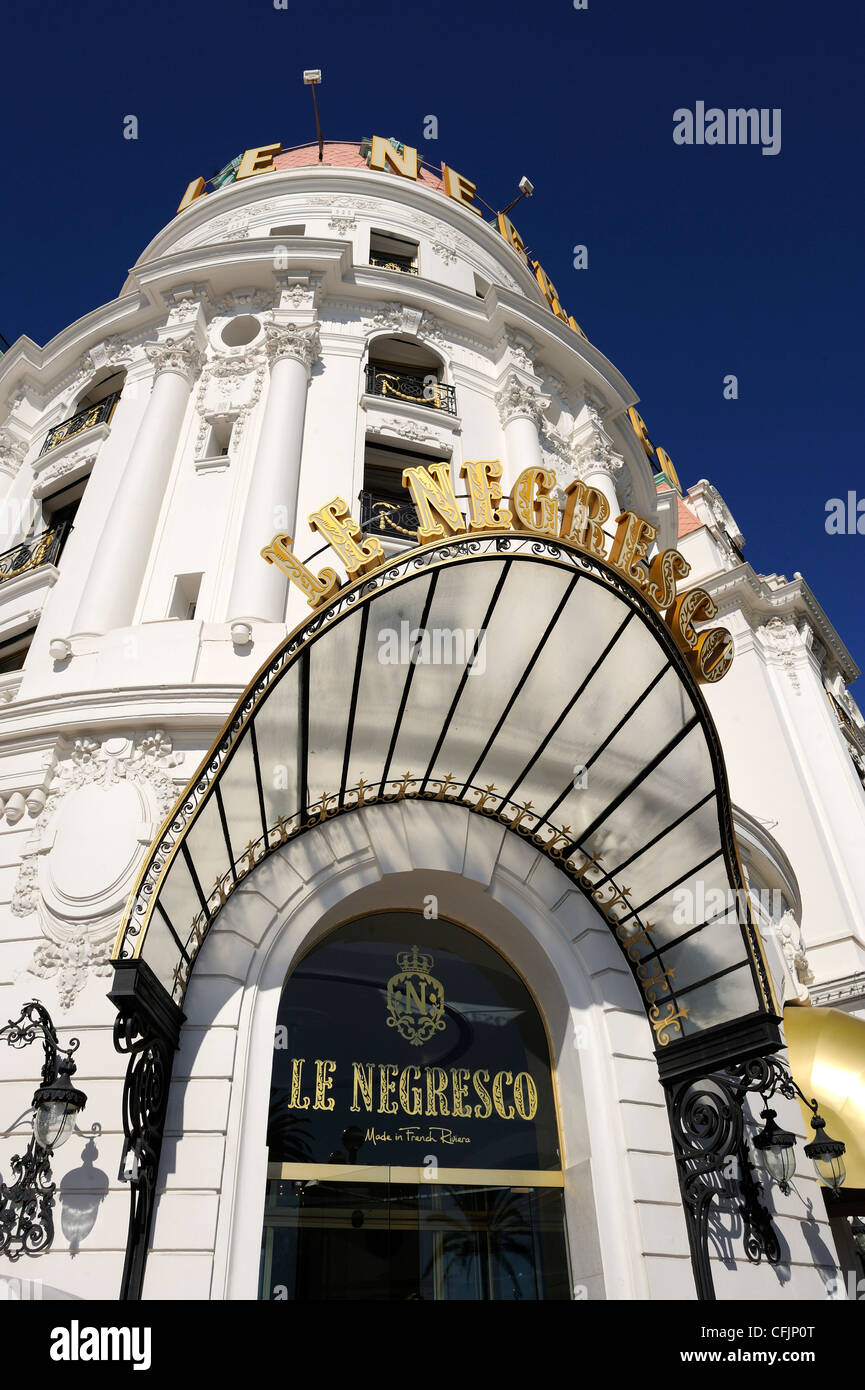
(526, 188)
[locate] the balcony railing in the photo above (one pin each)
(85, 419)
(417, 390)
(30, 554)
(405, 264)
(381, 516)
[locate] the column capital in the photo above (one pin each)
(12, 452)
(518, 399)
(291, 340)
(181, 356)
(590, 447)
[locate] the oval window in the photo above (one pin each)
(240, 330)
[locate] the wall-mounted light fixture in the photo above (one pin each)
(776, 1148)
(26, 1220)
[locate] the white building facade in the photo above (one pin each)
(236, 790)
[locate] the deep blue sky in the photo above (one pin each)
(702, 261)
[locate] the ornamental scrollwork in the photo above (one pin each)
(444, 250)
(149, 1047)
(406, 429)
(27, 1215)
(70, 963)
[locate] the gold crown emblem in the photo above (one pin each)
(415, 961)
(415, 999)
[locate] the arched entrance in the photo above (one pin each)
(413, 1141)
(526, 681)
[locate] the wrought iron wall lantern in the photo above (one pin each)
(708, 1122)
(776, 1148)
(26, 1220)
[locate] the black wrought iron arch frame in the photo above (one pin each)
(150, 1013)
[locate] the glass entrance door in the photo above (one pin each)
(413, 1139)
(430, 1241)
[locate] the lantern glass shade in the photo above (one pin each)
(776, 1150)
(831, 1169)
(57, 1104)
(826, 1153)
(53, 1123)
(779, 1162)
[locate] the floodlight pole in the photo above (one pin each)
(312, 78)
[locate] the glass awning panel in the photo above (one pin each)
(525, 681)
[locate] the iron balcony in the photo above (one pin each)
(382, 516)
(417, 390)
(85, 419)
(43, 549)
(404, 264)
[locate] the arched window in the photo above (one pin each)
(407, 372)
(94, 406)
(413, 1147)
(107, 383)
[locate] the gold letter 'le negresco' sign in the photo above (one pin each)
(532, 510)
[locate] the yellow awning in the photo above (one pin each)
(827, 1058)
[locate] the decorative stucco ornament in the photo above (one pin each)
(782, 637)
(175, 355)
(105, 803)
(795, 956)
(12, 452)
(520, 400)
(590, 446)
(302, 343)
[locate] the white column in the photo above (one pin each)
(520, 406)
(114, 582)
(259, 590)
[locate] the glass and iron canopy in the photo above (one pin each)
(517, 677)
